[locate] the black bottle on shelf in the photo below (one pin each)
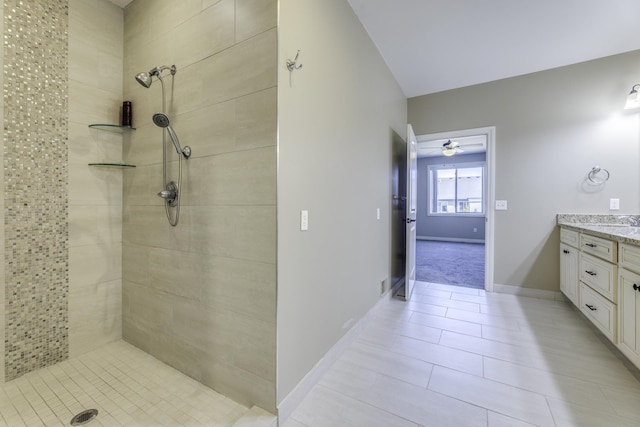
(127, 114)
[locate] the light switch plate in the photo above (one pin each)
(501, 205)
(304, 220)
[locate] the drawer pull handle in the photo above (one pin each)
(566, 251)
(591, 245)
(590, 273)
(636, 287)
(591, 307)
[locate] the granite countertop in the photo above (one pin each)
(615, 227)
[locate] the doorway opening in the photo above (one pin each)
(455, 208)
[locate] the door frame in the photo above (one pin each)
(489, 234)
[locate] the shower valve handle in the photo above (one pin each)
(166, 194)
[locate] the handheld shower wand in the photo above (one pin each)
(172, 190)
(162, 120)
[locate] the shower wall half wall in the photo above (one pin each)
(201, 296)
(62, 220)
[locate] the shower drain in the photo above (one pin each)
(84, 417)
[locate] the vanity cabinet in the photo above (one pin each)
(600, 274)
(598, 283)
(589, 278)
(569, 242)
(629, 302)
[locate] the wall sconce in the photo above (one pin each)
(633, 99)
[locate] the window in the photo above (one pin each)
(456, 189)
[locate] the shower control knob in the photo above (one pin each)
(166, 194)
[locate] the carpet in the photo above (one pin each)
(450, 263)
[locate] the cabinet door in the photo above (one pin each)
(629, 317)
(569, 272)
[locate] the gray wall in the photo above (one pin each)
(552, 127)
(443, 227)
(336, 119)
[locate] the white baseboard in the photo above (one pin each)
(450, 239)
(527, 292)
(295, 397)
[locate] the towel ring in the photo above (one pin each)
(598, 175)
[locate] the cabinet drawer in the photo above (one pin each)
(570, 237)
(599, 274)
(629, 257)
(600, 311)
(603, 248)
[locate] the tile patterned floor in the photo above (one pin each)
(461, 357)
(126, 385)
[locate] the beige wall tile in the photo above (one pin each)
(108, 66)
(213, 332)
(243, 69)
(94, 316)
(149, 310)
(255, 346)
(242, 177)
(241, 286)
(176, 273)
(142, 184)
(88, 104)
(147, 225)
(242, 386)
(213, 275)
(143, 146)
(91, 264)
(98, 21)
(91, 185)
(257, 120)
(204, 34)
(254, 17)
(82, 225)
(168, 15)
(135, 263)
(83, 66)
(243, 232)
(209, 130)
(178, 353)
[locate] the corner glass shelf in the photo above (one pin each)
(112, 165)
(112, 128)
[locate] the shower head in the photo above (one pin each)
(145, 79)
(162, 120)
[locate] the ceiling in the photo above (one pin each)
(436, 45)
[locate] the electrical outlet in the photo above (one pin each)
(383, 286)
(501, 205)
(304, 220)
(614, 204)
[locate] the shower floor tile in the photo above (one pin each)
(127, 386)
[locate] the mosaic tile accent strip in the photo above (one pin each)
(36, 178)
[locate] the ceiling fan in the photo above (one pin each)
(450, 148)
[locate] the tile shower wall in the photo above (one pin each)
(68, 301)
(201, 296)
(35, 185)
(96, 33)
